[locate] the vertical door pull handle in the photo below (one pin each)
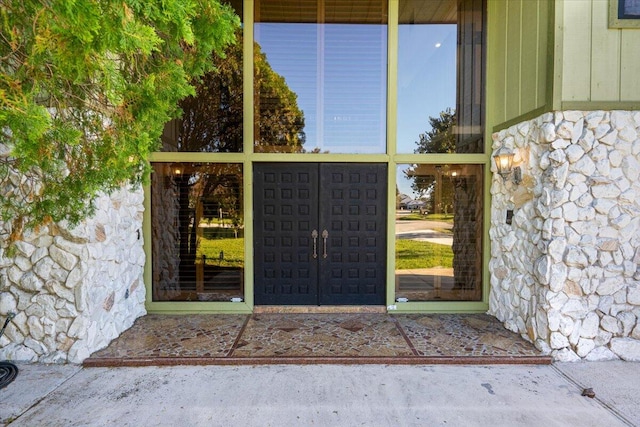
(325, 234)
(314, 235)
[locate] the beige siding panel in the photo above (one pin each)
(630, 69)
(530, 56)
(576, 70)
(605, 57)
(514, 40)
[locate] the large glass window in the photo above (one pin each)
(439, 232)
(440, 54)
(439, 215)
(320, 76)
(197, 232)
(320, 86)
(211, 120)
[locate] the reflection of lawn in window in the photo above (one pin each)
(233, 250)
(412, 254)
(414, 216)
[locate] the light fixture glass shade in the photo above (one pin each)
(177, 169)
(504, 161)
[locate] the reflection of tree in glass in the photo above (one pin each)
(219, 188)
(441, 138)
(279, 122)
(205, 192)
(432, 183)
(212, 119)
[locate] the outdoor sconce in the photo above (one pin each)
(177, 169)
(175, 172)
(504, 163)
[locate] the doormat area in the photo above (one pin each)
(345, 338)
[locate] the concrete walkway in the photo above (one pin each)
(325, 395)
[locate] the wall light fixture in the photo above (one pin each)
(504, 162)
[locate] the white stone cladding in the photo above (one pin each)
(566, 273)
(74, 289)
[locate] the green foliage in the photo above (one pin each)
(413, 254)
(85, 90)
(441, 138)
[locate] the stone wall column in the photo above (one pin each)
(73, 289)
(565, 273)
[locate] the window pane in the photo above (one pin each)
(212, 119)
(197, 232)
(440, 60)
(321, 76)
(439, 232)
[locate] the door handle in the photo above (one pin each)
(325, 234)
(314, 235)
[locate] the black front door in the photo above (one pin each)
(320, 233)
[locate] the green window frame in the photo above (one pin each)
(248, 157)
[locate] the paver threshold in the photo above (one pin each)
(313, 338)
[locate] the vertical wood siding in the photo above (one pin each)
(598, 64)
(518, 71)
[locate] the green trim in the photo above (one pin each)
(392, 124)
(391, 234)
(247, 77)
(197, 307)
(197, 157)
(440, 307)
(248, 136)
(555, 50)
(146, 235)
(494, 92)
(441, 158)
(319, 157)
(486, 237)
(600, 105)
(523, 118)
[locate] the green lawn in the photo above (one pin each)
(433, 217)
(411, 254)
(233, 251)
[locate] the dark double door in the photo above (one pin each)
(320, 233)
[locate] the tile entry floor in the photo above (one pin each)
(267, 338)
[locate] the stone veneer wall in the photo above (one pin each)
(566, 273)
(74, 289)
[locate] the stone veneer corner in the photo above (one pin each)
(566, 273)
(74, 289)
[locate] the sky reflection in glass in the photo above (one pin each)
(339, 72)
(426, 78)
